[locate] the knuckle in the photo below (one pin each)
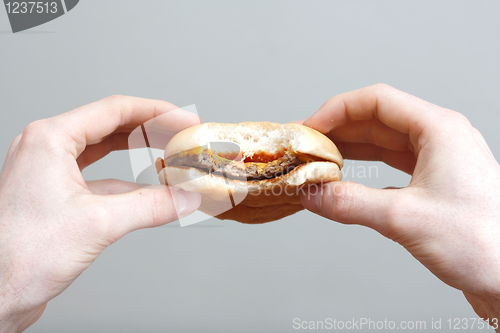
(36, 128)
(341, 209)
(451, 121)
(99, 222)
(40, 132)
(116, 97)
(393, 215)
(16, 141)
(460, 119)
(159, 210)
(339, 201)
(384, 87)
(115, 100)
(400, 219)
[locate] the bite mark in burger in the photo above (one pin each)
(273, 164)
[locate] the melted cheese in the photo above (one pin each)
(260, 166)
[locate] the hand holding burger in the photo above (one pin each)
(54, 224)
(447, 218)
(449, 215)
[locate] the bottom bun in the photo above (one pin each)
(256, 215)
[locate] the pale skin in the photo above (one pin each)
(448, 217)
(53, 224)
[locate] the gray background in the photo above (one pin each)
(241, 61)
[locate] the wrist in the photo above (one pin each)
(18, 321)
(15, 316)
(487, 308)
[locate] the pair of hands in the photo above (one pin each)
(53, 224)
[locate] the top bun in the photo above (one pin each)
(256, 137)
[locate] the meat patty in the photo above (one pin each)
(228, 168)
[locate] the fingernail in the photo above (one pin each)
(307, 120)
(312, 200)
(187, 202)
(318, 199)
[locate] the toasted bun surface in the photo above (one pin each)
(255, 137)
(255, 201)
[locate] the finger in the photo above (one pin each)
(123, 141)
(374, 132)
(111, 186)
(161, 129)
(93, 153)
(146, 208)
(93, 123)
(401, 160)
(353, 203)
(400, 111)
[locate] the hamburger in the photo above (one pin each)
(251, 172)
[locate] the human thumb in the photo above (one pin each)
(352, 203)
(149, 207)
